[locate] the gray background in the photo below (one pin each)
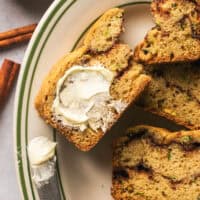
(13, 13)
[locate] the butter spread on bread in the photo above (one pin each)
(82, 95)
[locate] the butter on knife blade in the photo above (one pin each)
(41, 152)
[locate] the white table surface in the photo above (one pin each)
(13, 13)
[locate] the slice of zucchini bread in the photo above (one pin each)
(174, 93)
(176, 36)
(88, 89)
(151, 163)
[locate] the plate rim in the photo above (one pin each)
(37, 36)
(32, 46)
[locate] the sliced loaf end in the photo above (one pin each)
(176, 36)
(128, 83)
(167, 47)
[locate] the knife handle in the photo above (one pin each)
(50, 191)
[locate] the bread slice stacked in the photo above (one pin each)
(176, 36)
(152, 163)
(174, 89)
(101, 45)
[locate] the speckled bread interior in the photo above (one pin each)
(101, 45)
(151, 163)
(176, 36)
(174, 93)
(174, 90)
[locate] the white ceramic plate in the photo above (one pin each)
(82, 176)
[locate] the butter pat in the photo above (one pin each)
(79, 94)
(40, 150)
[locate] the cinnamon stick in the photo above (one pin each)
(8, 72)
(15, 40)
(17, 31)
(16, 35)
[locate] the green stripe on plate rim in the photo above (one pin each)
(22, 88)
(20, 101)
(29, 94)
